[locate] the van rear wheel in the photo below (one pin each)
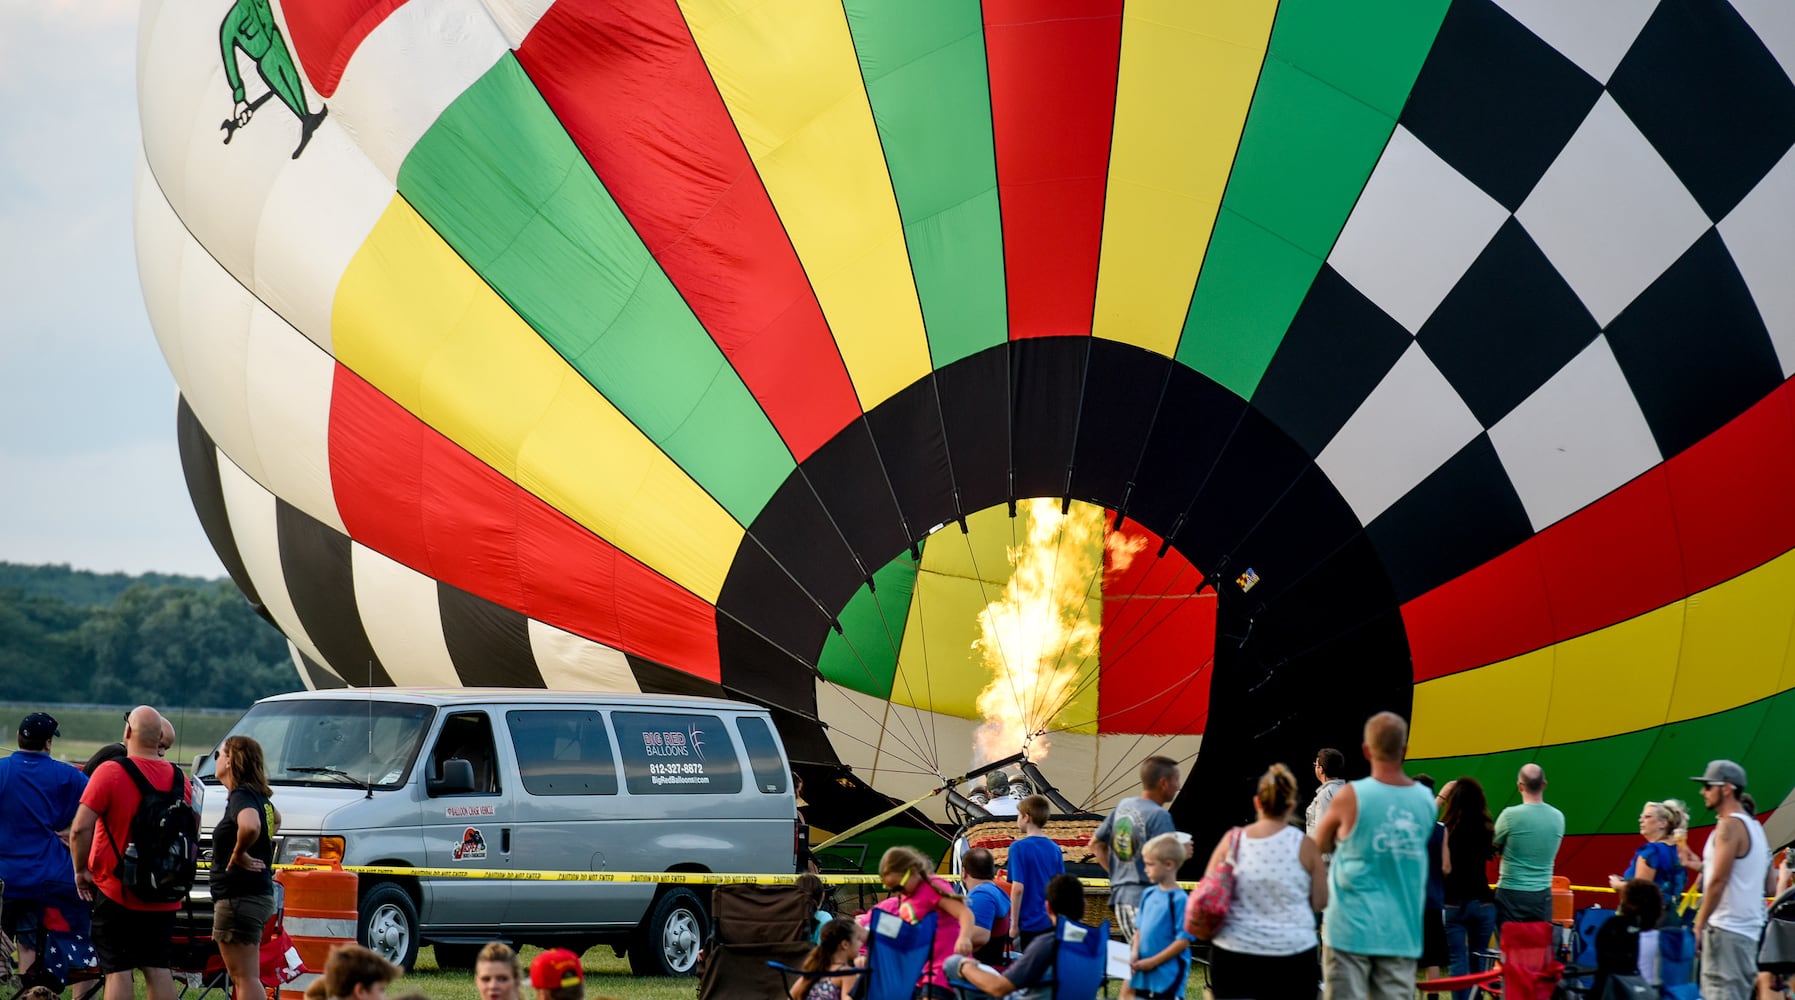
(389, 924)
(668, 942)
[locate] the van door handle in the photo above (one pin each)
(505, 839)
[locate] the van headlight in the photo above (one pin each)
(292, 848)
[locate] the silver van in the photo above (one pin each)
(527, 781)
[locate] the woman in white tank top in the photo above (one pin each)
(1266, 948)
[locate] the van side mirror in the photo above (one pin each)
(457, 777)
(199, 761)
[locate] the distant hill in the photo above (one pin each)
(80, 586)
(155, 638)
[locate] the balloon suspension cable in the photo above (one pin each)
(946, 784)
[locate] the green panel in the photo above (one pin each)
(864, 656)
(1371, 49)
(1600, 784)
(924, 69)
(1252, 284)
(500, 180)
(1335, 78)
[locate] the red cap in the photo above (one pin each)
(555, 969)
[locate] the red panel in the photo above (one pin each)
(1615, 560)
(1494, 612)
(1720, 508)
(326, 33)
(1734, 492)
(1053, 96)
(1157, 645)
(633, 91)
(411, 494)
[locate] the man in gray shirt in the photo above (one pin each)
(1329, 763)
(1117, 843)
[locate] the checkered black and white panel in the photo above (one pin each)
(1569, 264)
(344, 606)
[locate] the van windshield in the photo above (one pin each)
(332, 742)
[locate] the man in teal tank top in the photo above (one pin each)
(1377, 829)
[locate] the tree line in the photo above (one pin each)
(70, 635)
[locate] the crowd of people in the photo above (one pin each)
(1380, 879)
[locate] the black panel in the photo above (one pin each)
(1046, 379)
(1121, 396)
(1694, 348)
(1460, 517)
(850, 480)
(907, 430)
(1303, 531)
(654, 678)
(1713, 101)
(489, 644)
(1195, 421)
(1338, 348)
(1259, 465)
(320, 676)
(806, 743)
(1507, 327)
(755, 669)
(975, 409)
(315, 562)
(1339, 595)
(1495, 101)
(199, 464)
(799, 535)
(761, 595)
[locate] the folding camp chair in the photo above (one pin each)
(755, 930)
(897, 952)
(64, 948)
(1080, 962)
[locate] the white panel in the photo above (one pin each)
(1774, 21)
(251, 512)
(1095, 771)
(575, 663)
(257, 386)
(517, 17)
(1595, 36)
(1609, 214)
(157, 231)
(411, 67)
(1408, 427)
(1577, 438)
(403, 620)
(1417, 227)
(1758, 236)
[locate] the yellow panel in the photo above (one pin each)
(414, 320)
(1736, 647)
(1614, 680)
(787, 72)
(1187, 75)
(1474, 711)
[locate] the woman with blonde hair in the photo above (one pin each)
(1659, 860)
(1267, 948)
(497, 975)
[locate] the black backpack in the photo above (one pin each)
(160, 860)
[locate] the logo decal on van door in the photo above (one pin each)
(472, 847)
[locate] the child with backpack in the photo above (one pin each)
(1161, 956)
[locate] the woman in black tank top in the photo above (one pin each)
(242, 878)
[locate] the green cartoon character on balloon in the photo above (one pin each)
(249, 25)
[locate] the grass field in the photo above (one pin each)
(85, 730)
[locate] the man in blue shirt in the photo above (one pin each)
(1034, 859)
(990, 907)
(38, 799)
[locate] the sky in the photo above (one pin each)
(89, 470)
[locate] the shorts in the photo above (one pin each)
(1123, 915)
(1433, 939)
(241, 919)
(22, 918)
(1346, 976)
(126, 939)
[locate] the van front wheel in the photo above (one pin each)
(389, 924)
(669, 940)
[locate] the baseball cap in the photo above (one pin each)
(555, 969)
(1722, 771)
(38, 726)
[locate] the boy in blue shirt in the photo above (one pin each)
(1161, 944)
(1034, 860)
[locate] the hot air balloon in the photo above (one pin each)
(1421, 355)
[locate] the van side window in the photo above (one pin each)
(468, 735)
(763, 754)
(563, 752)
(667, 754)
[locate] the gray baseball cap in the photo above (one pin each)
(1722, 771)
